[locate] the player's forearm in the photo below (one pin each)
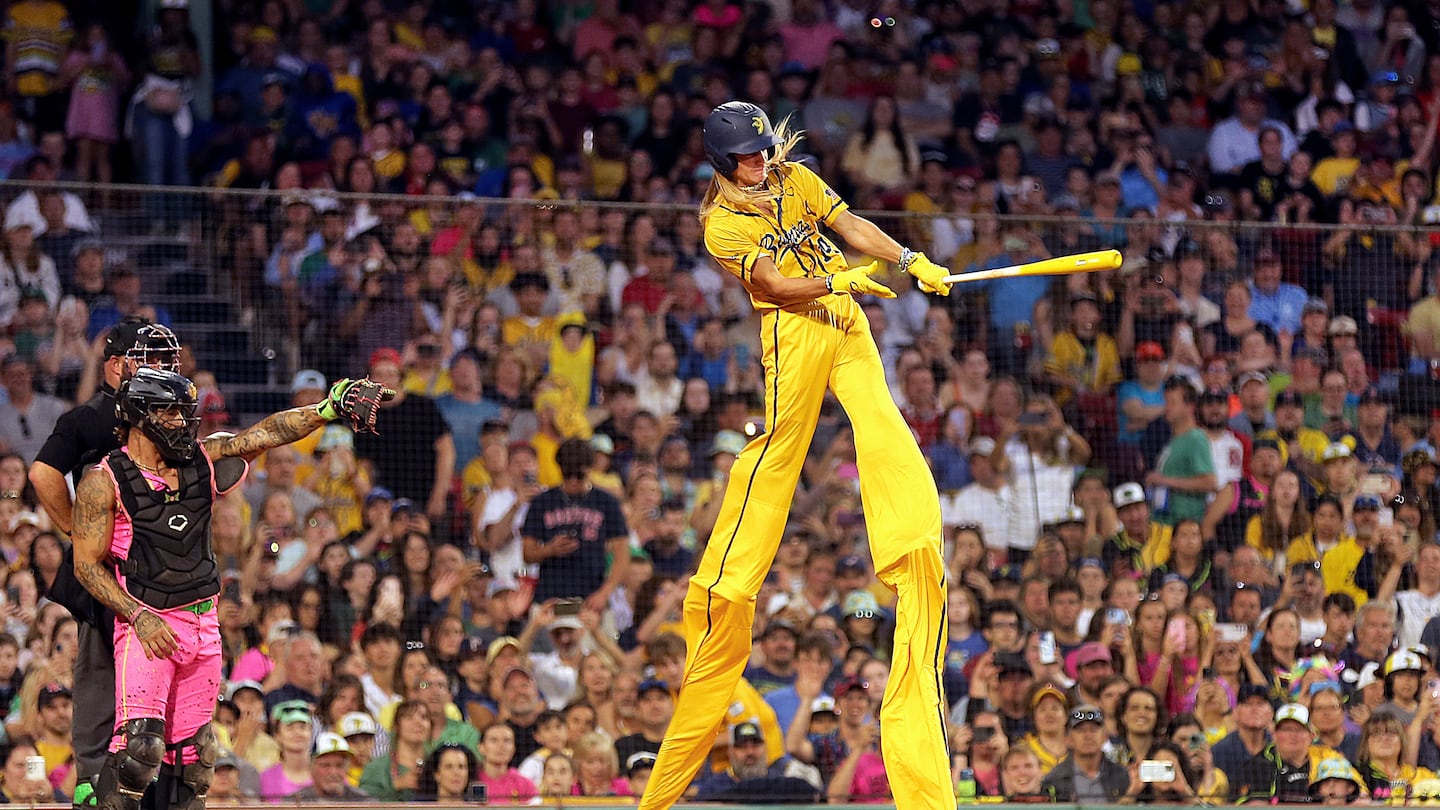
(101, 583)
(54, 495)
(784, 291)
(273, 431)
(866, 237)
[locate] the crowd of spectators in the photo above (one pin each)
(1189, 505)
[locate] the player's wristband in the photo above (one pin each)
(135, 614)
(327, 411)
(830, 283)
(906, 257)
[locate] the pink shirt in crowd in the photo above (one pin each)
(512, 787)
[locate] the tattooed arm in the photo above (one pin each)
(94, 524)
(272, 431)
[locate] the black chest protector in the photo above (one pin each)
(171, 562)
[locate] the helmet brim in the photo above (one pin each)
(757, 144)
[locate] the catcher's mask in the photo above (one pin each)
(143, 402)
(155, 347)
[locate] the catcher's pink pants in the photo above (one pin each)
(181, 689)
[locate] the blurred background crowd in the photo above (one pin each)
(1189, 505)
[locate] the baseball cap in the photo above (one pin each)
(861, 605)
(290, 711)
(853, 562)
(1127, 494)
(1072, 514)
(122, 337)
(746, 732)
(601, 443)
(378, 494)
(1252, 376)
(1314, 354)
(306, 380)
(499, 644)
(471, 648)
(727, 441)
(1293, 712)
(1366, 502)
(982, 446)
(384, 355)
(1368, 676)
(356, 723)
(1048, 690)
(1265, 444)
(1086, 713)
(1289, 398)
(333, 437)
(1149, 350)
(566, 623)
(1343, 325)
(822, 705)
(1403, 661)
(331, 743)
(848, 685)
(1006, 573)
(25, 518)
(516, 671)
(1315, 305)
(779, 626)
(1092, 652)
(280, 630)
(638, 761)
(238, 686)
(227, 759)
(1336, 450)
(499, 586)
(87, 244)
(50, 692)
(651, 685)
(1251, 690)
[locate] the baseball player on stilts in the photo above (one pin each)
(762, 217)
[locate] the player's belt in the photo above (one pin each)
(200, 608)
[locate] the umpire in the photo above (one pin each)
(81, 438)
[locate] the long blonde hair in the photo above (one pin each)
(724, 191)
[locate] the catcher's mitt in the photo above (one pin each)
(358, 401)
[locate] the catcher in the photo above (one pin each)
(142, 548)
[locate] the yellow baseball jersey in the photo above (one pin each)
(789, 234)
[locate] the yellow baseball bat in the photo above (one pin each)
(1060, 265)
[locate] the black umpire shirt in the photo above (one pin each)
(82, 436)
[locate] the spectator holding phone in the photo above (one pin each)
(1210, 783)
(1163, 777)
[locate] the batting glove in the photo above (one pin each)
(930, 275)
(333, 406)
(857, 281)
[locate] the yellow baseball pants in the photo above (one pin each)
(805, 349)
